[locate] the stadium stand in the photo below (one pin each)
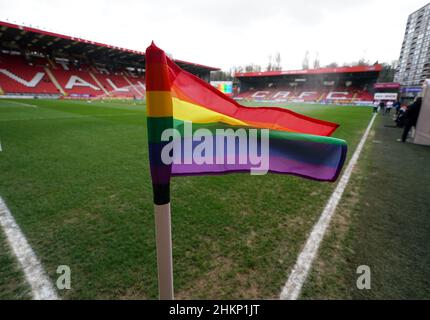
(19, 76)
(338, 85)
(37, 63)
(118, 85)
(310, 95)
(76, 83)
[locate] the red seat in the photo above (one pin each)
(19, 77)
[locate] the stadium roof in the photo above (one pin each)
(17, 37)
(356, 69)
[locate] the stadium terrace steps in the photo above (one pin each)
(98, 83)
(51, 63)
(138, 83)
(321, 97)
(134, 86)
(54, 80)
(117, 85)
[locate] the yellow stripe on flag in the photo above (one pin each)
(186, 111)
(159, 104)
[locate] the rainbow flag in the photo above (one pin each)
(298, 145)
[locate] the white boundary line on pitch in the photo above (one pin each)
(293, 287)
(41, 286)
(23, 104)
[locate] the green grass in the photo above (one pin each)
(383, 222)
(12, 282)
(76, 178)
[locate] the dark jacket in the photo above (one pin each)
(413, 112)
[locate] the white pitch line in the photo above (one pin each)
(293, 287)
(41, 286)
(24, 104)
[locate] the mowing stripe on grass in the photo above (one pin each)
(79, 116)
(41, 286)
(23, 104)
(293, 287)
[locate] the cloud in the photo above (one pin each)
(225, 33)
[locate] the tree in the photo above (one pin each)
(305, 64)
(388, 71)
(229, 75)
(317, 61)
(278, 66)
(363, 62)
(274, 63)
(269, 65)
(332, 65)
(236, 69)
(221, 76)
(252, 68)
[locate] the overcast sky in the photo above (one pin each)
(225, 33)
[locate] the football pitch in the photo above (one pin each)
(75, 176)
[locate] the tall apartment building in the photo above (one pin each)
(414, 62)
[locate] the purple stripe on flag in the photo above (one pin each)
(312, 160)
(277, 165)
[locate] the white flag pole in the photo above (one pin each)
(160, 106)
(164, 251)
